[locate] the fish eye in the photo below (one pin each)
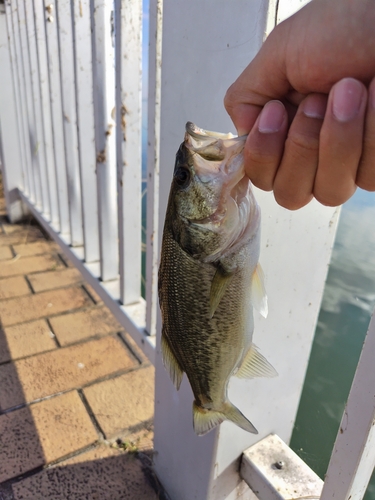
(182, 177)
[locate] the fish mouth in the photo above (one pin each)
(219, 155)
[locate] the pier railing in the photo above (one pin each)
(71, 152)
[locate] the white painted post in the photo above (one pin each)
(22, 181)
(128, 29)
(153, 163)
(205, 47)
(105, 135)
(9, 137)
(30, 115)
(69, 109)
(46, 121)
(57, 115)
(353, 457)
(40, 153)
(86, 127)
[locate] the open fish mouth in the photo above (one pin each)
(218, 154)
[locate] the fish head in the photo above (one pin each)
(211, 200)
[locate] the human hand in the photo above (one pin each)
(307, 101)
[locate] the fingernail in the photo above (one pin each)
(271, 118)
(347, 98)
(314, 106)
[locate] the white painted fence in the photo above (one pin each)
(70, 125)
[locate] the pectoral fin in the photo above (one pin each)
(258, 292)
(219, 284)
(255, 365)
(171, 363)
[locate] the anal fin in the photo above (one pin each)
(258, 292)
(170, 362)
(255, 364)
(219, 285)
(204, 420)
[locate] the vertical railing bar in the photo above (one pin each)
(56, 115)
(128, 30)
(30, 117)
(46, 122)
(24, 182)
(39, 127)
(69, 117)
(353, 455)
(104, 107)
(153, 168)
(86, 129)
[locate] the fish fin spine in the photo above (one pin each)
(258, 291)
(255, 364)
(219, 285)
(204, 420)
(170, 362)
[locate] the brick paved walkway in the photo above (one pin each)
(76, 395)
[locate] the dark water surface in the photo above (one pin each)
(348, 301)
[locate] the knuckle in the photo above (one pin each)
(304, 144)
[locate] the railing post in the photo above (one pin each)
(105, 137)
(205, 47)
(10, 144)
(353, 456)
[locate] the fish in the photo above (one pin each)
(209, 276)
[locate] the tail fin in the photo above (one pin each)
(204, 420)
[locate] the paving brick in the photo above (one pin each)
(81, 325)
(43, 432)
(123, 402)
(19, 227)
(138, 353)
(24, 340)
(21, 236)
(93, 294)
(60, 370)
(35, 248)
(54, 279)
(5, 253)
(25, 265)
(13, 287)
(99, 474)
(21, 309)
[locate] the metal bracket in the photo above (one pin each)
(274, 472)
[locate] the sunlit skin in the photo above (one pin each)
(307, 101)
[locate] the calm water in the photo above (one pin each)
(348, 301)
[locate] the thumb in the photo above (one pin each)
(264, 79)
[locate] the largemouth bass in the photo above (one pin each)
(209, 276)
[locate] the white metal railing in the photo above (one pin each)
(70, 145)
